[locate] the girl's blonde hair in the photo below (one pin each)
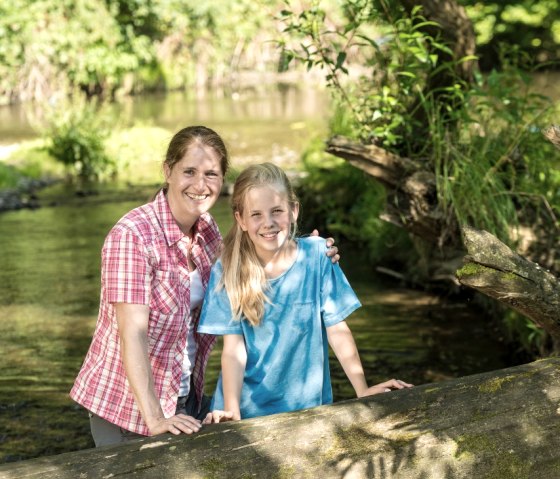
(243, 276)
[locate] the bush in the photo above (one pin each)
(76, 137)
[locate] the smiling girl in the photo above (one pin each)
(279, 302)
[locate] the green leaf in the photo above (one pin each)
(341, 57)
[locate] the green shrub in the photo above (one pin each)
(77, 131)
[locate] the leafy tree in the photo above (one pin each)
(534, 27)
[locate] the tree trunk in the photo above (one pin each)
(494, 269)
(502, 424)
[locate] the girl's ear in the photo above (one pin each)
(295, 212)
(240, 221)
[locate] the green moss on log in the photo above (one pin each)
(493, 385)
(472, 269)
(505, 463)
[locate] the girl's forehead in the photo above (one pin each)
(266, 194)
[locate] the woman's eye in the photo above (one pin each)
(189, 172)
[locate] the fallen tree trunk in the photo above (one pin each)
(494, 269)
(502, 424)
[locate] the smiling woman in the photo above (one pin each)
(144, 371)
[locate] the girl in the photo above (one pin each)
(277, 301)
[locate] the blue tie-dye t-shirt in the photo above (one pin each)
(287, 354)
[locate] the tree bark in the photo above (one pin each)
(494, 269)
(501, 424)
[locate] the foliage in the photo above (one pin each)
(487, 151)
(111, 47)
(483, 141)
(533, 26)
(327, 205)
(9, 176)
(138, 152)
(77, 131)
(28, 161)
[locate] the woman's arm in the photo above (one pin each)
(234, 359)
(343, 344)
(132, 321)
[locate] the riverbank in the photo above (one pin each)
(24, 195)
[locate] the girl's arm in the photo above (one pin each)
(132, 321)
(234, 359)
(342, 342)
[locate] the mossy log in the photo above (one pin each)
(494, 269)
(502, 424)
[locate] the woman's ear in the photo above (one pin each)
(166, 171)
(240, 221)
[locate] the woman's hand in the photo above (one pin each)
(215, 417)
(332, 252)
(181, 423)
(385, 387)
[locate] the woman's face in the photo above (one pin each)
(194, 183)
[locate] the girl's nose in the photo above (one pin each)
(268, 221)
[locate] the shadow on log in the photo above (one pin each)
(502, 424)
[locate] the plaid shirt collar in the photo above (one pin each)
(171, 229)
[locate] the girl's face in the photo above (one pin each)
(194, 184)
(267, 217)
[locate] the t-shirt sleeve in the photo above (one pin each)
(338, 299)
(125, 270)
(216, 317)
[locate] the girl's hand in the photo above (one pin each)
(332, 252)
(181, 423)
(215, 417)
(385, 387)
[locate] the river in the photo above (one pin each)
(49, 271)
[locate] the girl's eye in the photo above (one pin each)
(278, 211)
(255, 214)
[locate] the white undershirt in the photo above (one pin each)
(197, 295)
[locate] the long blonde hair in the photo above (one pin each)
(243, 275)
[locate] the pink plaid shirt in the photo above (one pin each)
(144, 261)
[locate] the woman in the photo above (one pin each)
(144, 371)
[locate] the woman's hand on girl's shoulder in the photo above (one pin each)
(217, 416)
(385, 387)
(332, 251)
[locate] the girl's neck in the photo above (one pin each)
(280, 261)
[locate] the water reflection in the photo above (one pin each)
(257, 124)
